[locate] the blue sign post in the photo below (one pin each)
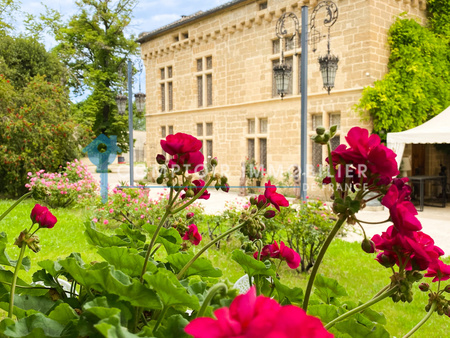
(102, 152)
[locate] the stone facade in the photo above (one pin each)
(237, 46)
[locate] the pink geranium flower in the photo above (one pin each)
(275, 198)
(180, 143)
(43, 217)
(439, 270)
(192, 235)
(281, 252)
(257, 317)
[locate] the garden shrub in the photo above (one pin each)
(72, 185)
(36, 132)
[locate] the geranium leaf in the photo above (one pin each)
(7, 276)
(173, 328)
(134, 235)
(202, 266)
(63, 314)
(109, 302)
(104, 278)
(169, 289)
(170, 238)
(356, 330)
(293, 295)
(97, 238)
(328, 288)
(6, 260)
(325, 312)
(252, 266)
(50, 266)
(126, 260)
(35, 326)
(111, 328)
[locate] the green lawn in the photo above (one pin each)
(357, 271)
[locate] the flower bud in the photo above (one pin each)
(261, 201)
(190, 193)
(447, 289)
(214, 161)
(189, 215)
(252, 200)
(326, 136)
(269, 214)
(160, 180)
(416, 276)
(368, 246)
(320, 130)
(223, 180)
(424, 287)
(160, 159)
(217, 185)
(225, 187)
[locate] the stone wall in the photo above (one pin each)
(240, 41)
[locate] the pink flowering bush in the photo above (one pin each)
(72, 185)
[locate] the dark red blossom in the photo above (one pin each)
(257, 317)
(180, 143)
(275, 198)
(193, 162)
(439, 270)
(281, 252)
(192, 235)
(43, 217)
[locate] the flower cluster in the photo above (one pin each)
(43, 217)
(365, 162)
(254, 227)
(281, 252)
(257, 316)
(74, 184)
(185, 150)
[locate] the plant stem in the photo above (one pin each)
(14, 281)
(211, 293)
(385, 221)
(193, 199)
(14, 205)
(424, 319)
(160, 317)
(320, 256)
(152, 242)
(206, 247)
(362, 307)
(332, 173)
(381, 291)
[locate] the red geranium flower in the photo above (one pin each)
(257, 317)
(180, 143)
(281, 252)
(275, 198)
(439, 270)
(193, 162)
(198, 185)
(192, 235)
(43, 217)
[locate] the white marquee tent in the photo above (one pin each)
(436, 130)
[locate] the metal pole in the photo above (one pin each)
(130, 122)
(304, 102)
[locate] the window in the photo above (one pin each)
(205, 135)
(317, 149)
(166, 86)
(292, 58)
(163, 132)
(257, 141)
(185, 35)
(262, 5)
(335, 119)
(204, 81)
(170, 130)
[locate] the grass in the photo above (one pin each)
(358, 272)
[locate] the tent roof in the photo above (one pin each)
(436, 130)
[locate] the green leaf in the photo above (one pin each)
(40, 304)
(356, 330)
(293, 295)
(169, 238)
(173, 328)
(63, 314)
(202, 266)
(7, 276)
(134, 235)
(374, 316)
(51, 267)
(169, 289)
(111, 328)
(35, 326)
(98, 238)
(252, 266)
(6, 260)
(104, 278)
(325, 312)
(109, 302)
(328, 288)
(126, 260)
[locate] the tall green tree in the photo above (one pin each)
(7, 10)
(417, 86)
(94, 47)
